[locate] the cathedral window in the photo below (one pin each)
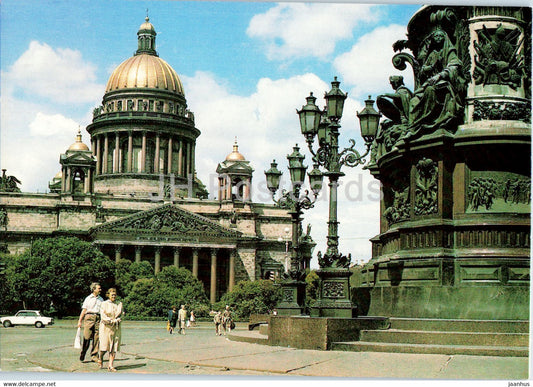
(78, 181)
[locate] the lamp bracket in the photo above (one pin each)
(351, 157)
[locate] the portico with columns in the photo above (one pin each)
(172, 236)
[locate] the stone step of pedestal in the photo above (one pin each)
(446, 338)
(475, 350)
(248, 337)
(500, 326)
(263, 329)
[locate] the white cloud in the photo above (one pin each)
(367, 66)
(45, 125)
(260, 121)
(307, 30)
(36, 129)
(61, 75)
(33, 155)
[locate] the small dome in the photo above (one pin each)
(235, 155)
(144, 71)
(78, 145)
(59, 175)
(147, 26)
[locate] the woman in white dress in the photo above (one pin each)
(110, 317)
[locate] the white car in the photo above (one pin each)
(27, 317)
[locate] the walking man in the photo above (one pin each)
(90, 317)
(182, 317)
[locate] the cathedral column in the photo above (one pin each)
(106, 150)
(87, 182)
(180, 159)
(117, 149)
(118, 252)
(228, 188)
(177, 256)
(63, 179)
(193, 165)
(195, 262)
(156, 158)
(213, 288)
(138, 249)
(98, 156)
(68, 180)
(188, 157)
(232, 255)
(157, 265)
(143, 153)
(130, 152)
(247, 190)
(169, 158)
(220, 188)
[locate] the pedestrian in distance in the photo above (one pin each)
(182, 317)
(218, 321)
(90, 318)
(172, 319)
(227, 320)
(192, 319)
(110, 333)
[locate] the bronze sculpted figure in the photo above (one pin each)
(440, 64)
(3, 218)
(394, 106)
(9, 183)
(436, 103)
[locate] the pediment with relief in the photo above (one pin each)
(167, 220)
(78, 157)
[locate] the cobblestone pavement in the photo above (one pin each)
(149, 349)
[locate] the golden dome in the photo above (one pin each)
(78, 145)
(58, 175)
(144, 70)
(235, 155)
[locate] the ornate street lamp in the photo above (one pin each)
(293, 284)
(334, 295)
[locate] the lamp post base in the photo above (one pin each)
(334, 298)
(293, 298)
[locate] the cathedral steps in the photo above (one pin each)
(450, 337)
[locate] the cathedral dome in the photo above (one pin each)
(235, 155)
(144, 71)
(78, 145)
(147, 26)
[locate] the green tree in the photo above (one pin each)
(128, 272)
(249, 297)
(312, 282)
(171, 286)
(58, 270)
(12, 284)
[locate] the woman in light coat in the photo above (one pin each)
(110, 334)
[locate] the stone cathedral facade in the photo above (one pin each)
(134, 193)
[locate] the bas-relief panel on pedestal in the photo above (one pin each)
(495, 191)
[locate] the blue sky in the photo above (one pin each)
(245, 67)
